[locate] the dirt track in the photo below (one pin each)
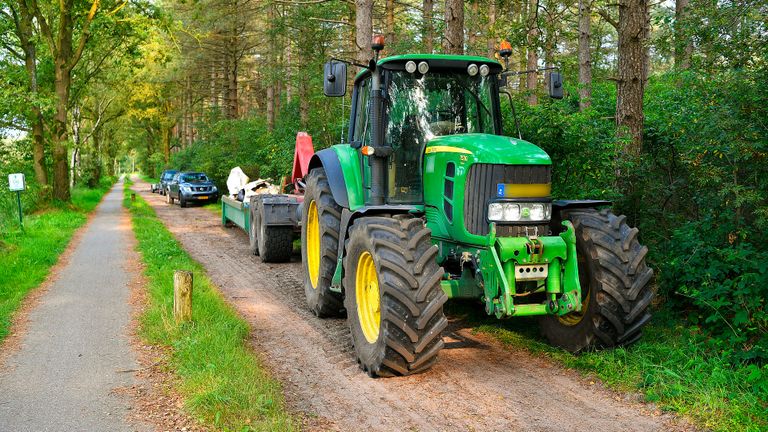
(475, 385)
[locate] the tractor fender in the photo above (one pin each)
(328, 160)
(560, 205)
(348, 217)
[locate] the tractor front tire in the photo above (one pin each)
(321, 221)
(615, 285)
(393, 296)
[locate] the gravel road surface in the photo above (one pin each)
(76, 350)
(476, 385)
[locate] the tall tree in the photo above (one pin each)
(66, 54)
(453, 43)
(491, 42)
(24, 29)
(428, 26)
(532, 64)
(585, 54)
(631, 72)
(363, 30)
(683, 42)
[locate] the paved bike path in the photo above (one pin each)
(76, 350)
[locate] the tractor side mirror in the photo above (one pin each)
(555, 85)
(335, 79)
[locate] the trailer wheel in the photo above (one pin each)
(253, 239)
(321, 220)
(614, 281)
(275, 243)
(393, 296)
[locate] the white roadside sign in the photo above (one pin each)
(16, 182)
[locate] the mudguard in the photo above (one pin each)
(328, 160)
(559, 205)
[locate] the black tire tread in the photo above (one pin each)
(412, 299)
(277, 244)
(621, 288)
(327, 303)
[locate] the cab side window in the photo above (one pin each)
(362, 129)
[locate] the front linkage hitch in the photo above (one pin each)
(550, 261)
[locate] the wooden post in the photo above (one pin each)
(182, 295)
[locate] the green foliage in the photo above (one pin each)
(27, 256)
(699, 192)
(222, 381)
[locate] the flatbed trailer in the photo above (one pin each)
(272, 221)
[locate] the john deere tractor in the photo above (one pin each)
(428, 201)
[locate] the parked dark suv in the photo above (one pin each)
(189, 187)
(165, 179)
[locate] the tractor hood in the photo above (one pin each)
(486, 148)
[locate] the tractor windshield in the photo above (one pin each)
(439, 103)
(421, 107)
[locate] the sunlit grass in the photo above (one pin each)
(222, 381)
(673, 366)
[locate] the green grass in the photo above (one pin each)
(27, 256)
(673, 365)
(223, 383)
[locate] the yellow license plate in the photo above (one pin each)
(202, 197)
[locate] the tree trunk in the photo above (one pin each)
(25, 33)
(683, 43)
(390, 22)
(585, 54)
(631, 74)
(428, 26)
(491, 43)
(454, 27)
(472, 28)
(533, 55)
(232, 101)
(62, 82)
(363, 30)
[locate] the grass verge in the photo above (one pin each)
(26, 256)
(221, 380)
(673, 366)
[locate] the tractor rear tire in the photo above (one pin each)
(393, 296)
(275, 242)
(615, 285)
(326, 222)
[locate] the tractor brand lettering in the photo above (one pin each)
(446, 149)
(536, 190)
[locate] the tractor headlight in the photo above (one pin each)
(423, 67)
(472, 69)
(410, 67)
(519, 212)
(484, 70)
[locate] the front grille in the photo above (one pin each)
(481, 188)
(201, 188)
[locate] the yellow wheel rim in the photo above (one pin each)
(367, 296)
(574, 318)
(313, 244)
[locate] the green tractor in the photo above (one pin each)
(429, 201)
